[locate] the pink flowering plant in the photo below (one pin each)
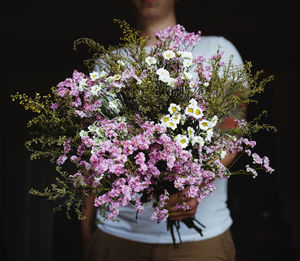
(145, 123)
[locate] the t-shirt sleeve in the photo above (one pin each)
(229, 49)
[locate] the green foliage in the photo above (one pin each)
(49, 130)
(232, 88)
(60, 191)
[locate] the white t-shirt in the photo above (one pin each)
(211, 212)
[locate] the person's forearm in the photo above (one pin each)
(229, 123)
(229, 158)
(87, 225)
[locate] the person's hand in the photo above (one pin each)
(179, 214)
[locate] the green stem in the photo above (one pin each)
(236, 159)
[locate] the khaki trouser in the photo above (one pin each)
(105, 247)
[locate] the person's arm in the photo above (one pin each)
(226, 161)
(87, 225)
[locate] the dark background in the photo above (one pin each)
(36, 53)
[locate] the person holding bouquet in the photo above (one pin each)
(142, 239)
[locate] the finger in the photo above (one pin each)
(178, 213)
(177, 208)
(191, 204)
(180, 217)
(175, 199)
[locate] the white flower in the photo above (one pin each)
(223, 154)
(164, 120)
(150, 60)
(83, 133)
(204, 125)
(182, 140)
(94, 75)
(199, 140)
(95, 90)
(194, 111)
(121, 63)
(191, 84)
(171, 124)
(213, 121)
(162, 72)
(185, 54)
(99, 132)
(191, 132)
(209, 134)
(113, 104)
(190, 110)
(163, 75)
(92, 128)
(121, 119)
(103, 74)
(176, 117)
(112, 93)
(205, 84)
(82, 84)
(174, 108)
(97, 179)
(188, 76)
(117, 77)
(118, 85)
(198, 113)
(187, 63)
(171, 82)
(168, 54)
(193, 102)
(110, 79)
(179, 53)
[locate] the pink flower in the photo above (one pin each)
(62, 91)
(153, 170)
(77, 102)
(248, 152)
(140, 158)
(77, 76)
(78, 179)
(67, 146)
(117, 169)
(54, 106)
(179, 183)
(81, 114)
(80, 149)
(61, 159)
(257, 159)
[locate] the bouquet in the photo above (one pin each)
(145, 123)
